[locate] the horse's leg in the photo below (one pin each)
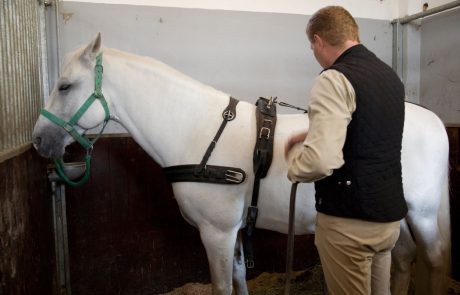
(403, 254)
(430, 267)
(219, 247)
(239, 269)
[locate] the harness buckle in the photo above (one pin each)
(98, 94)
(249, 263)
(99, 66)
(234, 176)
(266, 135)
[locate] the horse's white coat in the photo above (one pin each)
(174, 118)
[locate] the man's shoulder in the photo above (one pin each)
(332, 75)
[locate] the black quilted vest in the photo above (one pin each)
(369, 185)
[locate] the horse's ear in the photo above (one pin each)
(93, 48)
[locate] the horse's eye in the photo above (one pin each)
(65, 87)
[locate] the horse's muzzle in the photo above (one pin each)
(49, 141)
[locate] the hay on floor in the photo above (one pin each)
(308, 281)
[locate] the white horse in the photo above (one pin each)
(174, 118)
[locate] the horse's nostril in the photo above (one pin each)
(37, 141)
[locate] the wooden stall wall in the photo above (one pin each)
(26, 230)
(454, 139)
(126, 234)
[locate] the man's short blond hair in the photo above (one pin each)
(334, 24)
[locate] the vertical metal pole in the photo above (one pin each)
(65, 239)
(397, 54)
(43, 52)
(58, 36)
(290, 243)
(60, 237)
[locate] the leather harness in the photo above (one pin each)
(207, 173)
(262, 159)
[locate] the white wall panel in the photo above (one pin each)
(374, 9)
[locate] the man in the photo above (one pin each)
(353, 154)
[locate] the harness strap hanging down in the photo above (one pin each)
(208, 173)
(262, 159)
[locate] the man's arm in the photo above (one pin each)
(332, 103)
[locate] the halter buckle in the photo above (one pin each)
(89, 151)
(67, 127)
(265, 135)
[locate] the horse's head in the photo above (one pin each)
(63, 119)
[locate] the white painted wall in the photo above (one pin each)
(409, 7)
(379, 10)
(435, 3)
(370, 9)
(440, 65)
(244, 53)
(373, 9)
(411, 49)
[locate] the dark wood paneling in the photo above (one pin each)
(454, 145)
(126, 234)
(26, 230)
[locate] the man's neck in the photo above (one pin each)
(338, 50)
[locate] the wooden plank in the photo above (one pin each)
(26, 230)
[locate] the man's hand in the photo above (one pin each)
(293, 140)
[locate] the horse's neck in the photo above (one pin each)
(169, 114)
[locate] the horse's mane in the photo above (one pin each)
(149, 64)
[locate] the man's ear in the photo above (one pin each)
(318, 40)
(92, 49)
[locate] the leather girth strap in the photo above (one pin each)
(208, 173)
(262, 159)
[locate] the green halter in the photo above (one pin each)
(70, 126)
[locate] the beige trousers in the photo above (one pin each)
(355, 254)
